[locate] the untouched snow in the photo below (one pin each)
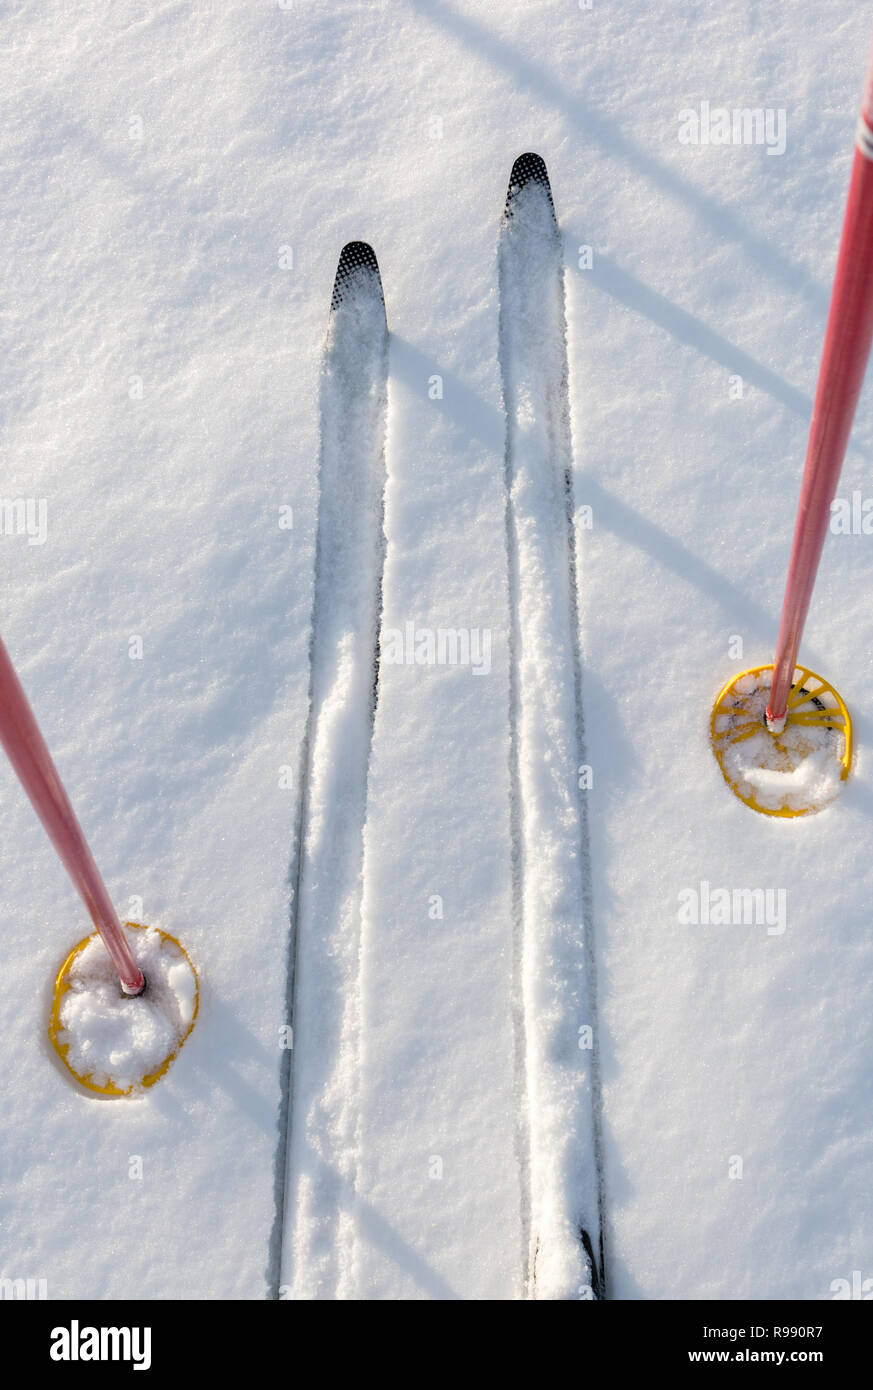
(179, 182)
(111, 1038)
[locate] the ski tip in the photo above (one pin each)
(528, 168)
(357, 258)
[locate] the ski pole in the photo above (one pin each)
(28, 754)
(847, 342)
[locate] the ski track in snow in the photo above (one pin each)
(320, 1160)
(554, 992)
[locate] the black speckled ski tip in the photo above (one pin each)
(357, 258)
(528, 168)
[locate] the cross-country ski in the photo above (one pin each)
(553, 947)
(318, 1156)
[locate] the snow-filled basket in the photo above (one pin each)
(796, 771)
(112, 1043)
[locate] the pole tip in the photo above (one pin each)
(776, 726)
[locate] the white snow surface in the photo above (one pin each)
(112, 1038)
(178, 183)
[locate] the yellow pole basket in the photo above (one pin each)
(97, 1076)
(792, 773)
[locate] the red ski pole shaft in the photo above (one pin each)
(848, 337)
(28, 754)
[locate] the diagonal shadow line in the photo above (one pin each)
(472, 415)
(608, 277)
(464, 407)
(375, 1229)
(721, 219)
(605, 275)
(620, 518)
